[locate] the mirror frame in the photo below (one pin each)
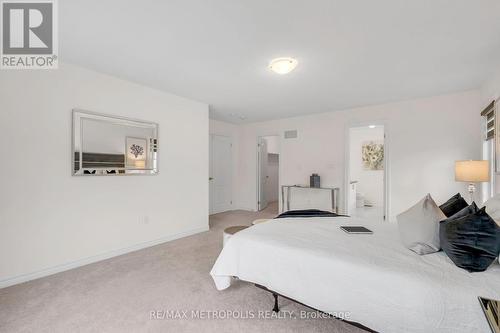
(78, 115)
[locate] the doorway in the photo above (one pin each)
(220, 174)
(268, 166)
(366, 172)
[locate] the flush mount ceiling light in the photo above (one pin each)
(283, 65)
(240, 117)
(372, 126)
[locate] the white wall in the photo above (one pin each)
(424, 138)
(51, 221)
(491, 89)
(370, 182)
(273, 145)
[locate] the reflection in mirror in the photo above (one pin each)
(491, 309)
(108, 145)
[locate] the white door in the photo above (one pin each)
(221, 162)
(262, 149)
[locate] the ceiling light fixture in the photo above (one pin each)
(283, 65)
(372, 126)
(239, 116)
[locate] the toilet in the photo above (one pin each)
(360, 200)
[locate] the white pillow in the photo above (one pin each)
(419, 226)
(493, 208)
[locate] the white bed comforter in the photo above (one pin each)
(373, 278)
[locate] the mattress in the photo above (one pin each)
(371, 279)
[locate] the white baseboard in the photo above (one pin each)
(10, 281)
(248, 209)
(233, 209)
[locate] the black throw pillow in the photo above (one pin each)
(472, 241)
(464, 212)
(455, 204)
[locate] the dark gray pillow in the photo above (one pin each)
(455, 204)
(472, 241)
(464, 212)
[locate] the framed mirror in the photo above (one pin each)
(491, 309)
(105, 145)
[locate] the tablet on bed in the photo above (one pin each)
(356, 230)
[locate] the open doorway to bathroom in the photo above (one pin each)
(366, 172)
(268, 161)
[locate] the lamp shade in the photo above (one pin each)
(472, 171)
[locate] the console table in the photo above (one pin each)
(286, 188)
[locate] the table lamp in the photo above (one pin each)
(472, 172)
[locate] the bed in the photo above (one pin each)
(371, 279)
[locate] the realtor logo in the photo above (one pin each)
(29, 34)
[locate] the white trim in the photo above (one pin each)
(10, 281)
(257, 205)
(387, 197)
(246, 208)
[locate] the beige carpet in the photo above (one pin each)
(118, 295)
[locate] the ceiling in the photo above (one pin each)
(350, 52)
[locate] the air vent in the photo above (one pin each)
(292, 134)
